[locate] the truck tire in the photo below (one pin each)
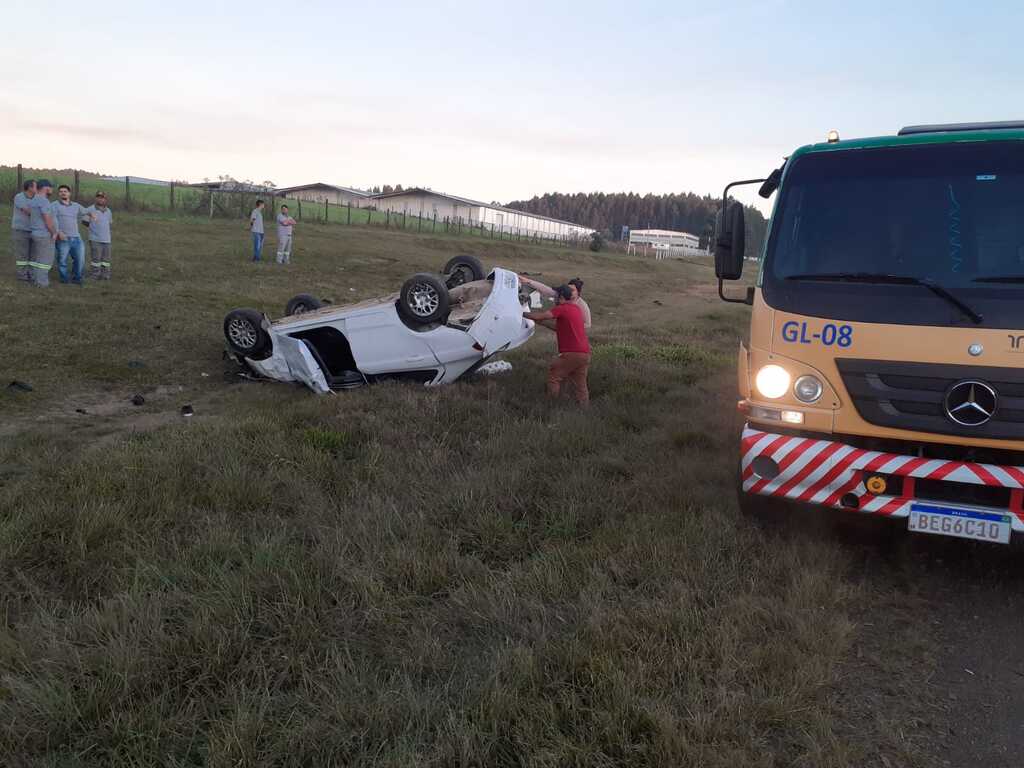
(462, 269)
(244, 333)
(301, 304)
(424, 299)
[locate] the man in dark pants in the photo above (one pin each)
(573, 361)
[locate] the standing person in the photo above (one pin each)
(69, 215)
(573, 361)
(256, 227)
(21, 230)
(44, 234)
(284, 236)
(99, 218)
(575, 285)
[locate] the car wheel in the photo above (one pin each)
(424, 299)
(301, 304)
(243, 330)
(463, 269)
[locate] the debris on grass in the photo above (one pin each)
(494, 368)
(136, 364)
(187, 410)
(138, 400)
(20, 386)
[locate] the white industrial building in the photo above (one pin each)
(428, 204)
(664, 243)
(320, 192)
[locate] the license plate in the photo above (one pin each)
(964, 523)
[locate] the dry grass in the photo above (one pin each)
(467, 576)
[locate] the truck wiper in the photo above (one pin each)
(870, 277)
(1000, 279)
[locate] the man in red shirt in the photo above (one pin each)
(573, 359)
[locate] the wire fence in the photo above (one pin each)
(216, 201)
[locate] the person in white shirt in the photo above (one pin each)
(256, 228)
(575, 285)
(284, 236)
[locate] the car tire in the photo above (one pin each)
(424, 299)
(245, 335)
(462, 269)
(298, 305)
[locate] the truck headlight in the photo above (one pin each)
(772, 381)
(807, 389)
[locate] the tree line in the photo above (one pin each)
(609, 212)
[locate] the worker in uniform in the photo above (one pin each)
(44, 235)
(21, 230)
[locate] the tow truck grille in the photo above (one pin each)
(912, 396)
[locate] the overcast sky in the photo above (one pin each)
(491, 101)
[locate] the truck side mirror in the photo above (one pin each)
(730, 242)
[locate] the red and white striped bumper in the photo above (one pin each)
(822, 472)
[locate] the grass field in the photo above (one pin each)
(466, 576)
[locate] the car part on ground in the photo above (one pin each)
(243, 329)
(424, 299)
(462, 269)
(301, 303)
(494, 368)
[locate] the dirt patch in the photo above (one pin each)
(97, 418)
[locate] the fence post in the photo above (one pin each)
(460, 225)
(327, 215)
(387, 218)
(20, 182)
(127, 190)
(76, 185)
(348, 219)
(300, 208)
(211, 203)
(273, 206)
(172, 195)
(433, 227)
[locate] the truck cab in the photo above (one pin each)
(885, 368)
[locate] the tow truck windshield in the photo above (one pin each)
(857, 233)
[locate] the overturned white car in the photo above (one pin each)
(435, 330)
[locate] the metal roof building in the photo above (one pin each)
(664, 242)
(428, 204)
(320, 192)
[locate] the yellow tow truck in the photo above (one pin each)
(885, 368)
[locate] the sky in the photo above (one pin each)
(491, 101)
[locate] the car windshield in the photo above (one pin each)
(938, 229)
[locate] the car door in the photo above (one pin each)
(500, 324)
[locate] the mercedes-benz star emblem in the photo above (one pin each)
(971, 403)
(975, 350)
